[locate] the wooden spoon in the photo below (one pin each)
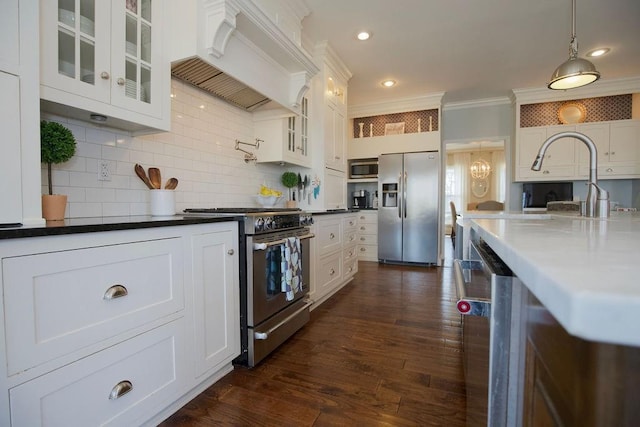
(171, 184)
(155, 178)
(143, 176)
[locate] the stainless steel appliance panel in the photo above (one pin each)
(420, 206)
(485, 292)
(266, 303)
(389, 208)
(408, 208)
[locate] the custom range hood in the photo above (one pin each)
(233, 50)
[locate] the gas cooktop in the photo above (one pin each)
(259, 220)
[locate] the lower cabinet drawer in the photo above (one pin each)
(126, 384)
(350, 267)
(59, 302)
(329, 271)
(368, 239)
(349, 253)
(368, 252)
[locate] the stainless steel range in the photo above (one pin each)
(267, 318)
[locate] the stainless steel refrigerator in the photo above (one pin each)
(408, 207)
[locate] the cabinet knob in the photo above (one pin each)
(606, 154)
(613, 153)
(120, 81)
(546, 172)
(332, 236)
(363, 249)
(609, 170)
(231, 252)
(363, 228)
(362, 217)
(104, 75)
(115, 291)
(120, 389)
(332, 272)
(337, 157)
(362, 239)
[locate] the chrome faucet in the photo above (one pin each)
(596, 203)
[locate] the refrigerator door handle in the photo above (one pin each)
(400, 196)
(404, 196)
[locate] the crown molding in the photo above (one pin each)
(600, 88)
(478, 103)
(396, 106)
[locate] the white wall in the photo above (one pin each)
(199, 151)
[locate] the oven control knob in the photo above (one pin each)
(259, 224)
(268, 223)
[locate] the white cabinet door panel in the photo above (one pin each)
(57, 303)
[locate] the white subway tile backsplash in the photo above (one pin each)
(199, 151)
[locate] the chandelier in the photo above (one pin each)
(480, 169)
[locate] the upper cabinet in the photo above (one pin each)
(106, 58)
(284, 136)
(608, 116)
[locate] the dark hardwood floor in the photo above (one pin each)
(385, 350)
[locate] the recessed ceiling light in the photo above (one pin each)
(388, 83)
(363, 35)
(598, 52)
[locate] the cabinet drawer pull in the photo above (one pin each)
(363, 228)
(120, 389)
(545, 172)
(230, 252)
(362, 217)
(351, 238)
(115, 291)
(363, 249)
(613, 153)
(332, 272)
(362, 239)
(351, 223)
(332, 236)
(104, 75)
(609, 170)
(120, 81)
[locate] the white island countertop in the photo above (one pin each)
(585, 271)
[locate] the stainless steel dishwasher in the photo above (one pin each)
(485, 287)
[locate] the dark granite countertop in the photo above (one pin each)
(341, 211)
(111, 223)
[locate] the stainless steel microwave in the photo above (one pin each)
(363, 168)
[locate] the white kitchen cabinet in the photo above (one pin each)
(618, 145)
(10, 36)
(334, 254)
(123, 385)
(216, 297)
(335, 137)
(368, 235)
(60, 302)
(82, 315)
(335, 187)
(106, 57)
(559, 161)
(284, 136)
(10, 165)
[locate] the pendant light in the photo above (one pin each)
(480, 169)
(575, 72)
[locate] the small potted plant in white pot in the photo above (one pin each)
(57, 145)
(290, 180)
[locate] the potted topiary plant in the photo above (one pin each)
(57, 145)
(290, 180)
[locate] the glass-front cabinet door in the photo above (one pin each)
(75, 46)
(135, 54)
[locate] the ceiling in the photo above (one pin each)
(470, 50)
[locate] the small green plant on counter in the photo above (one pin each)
(57, 145)
(289, 180)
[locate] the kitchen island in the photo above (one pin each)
(574, 317)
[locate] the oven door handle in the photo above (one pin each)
(265, 335)
(263, 246)
(466, 304)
